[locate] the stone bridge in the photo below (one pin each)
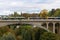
(52, 25)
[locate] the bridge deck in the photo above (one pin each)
(57, 20)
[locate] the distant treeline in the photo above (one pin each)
(43, 13)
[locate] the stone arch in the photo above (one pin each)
(50, 26)
(44, 25)
(57, 27)
(56, 24)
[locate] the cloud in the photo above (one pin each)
(9, 6)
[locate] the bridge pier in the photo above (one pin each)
(50, 27)
(59, 29)
(53, 27)
(47, 25)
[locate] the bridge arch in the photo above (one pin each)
(57, 27)
(44, 25)
(50, 26)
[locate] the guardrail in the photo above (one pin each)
(33, 20)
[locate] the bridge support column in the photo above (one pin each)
(47, 25)
(59, 27)
(53, 27)
(28, 18)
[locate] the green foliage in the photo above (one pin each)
(14, 15)
(51, 13)
(8, 36)
(27, 32)
(57, 13)
(36, 34)
(48, 36)
(54, 13)
(44, 13)
(3, 30)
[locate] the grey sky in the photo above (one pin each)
(9, 6)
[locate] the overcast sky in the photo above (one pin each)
(9, 6)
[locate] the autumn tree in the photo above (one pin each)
(25, 15)
(44, 13)
(34, 15)
(29, 15)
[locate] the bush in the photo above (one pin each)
(27, 33)
(8, 36)
(36, 34)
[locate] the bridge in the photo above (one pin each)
(52, 25)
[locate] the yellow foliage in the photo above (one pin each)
(44, 13)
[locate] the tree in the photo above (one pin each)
(8, 36)
(44, 13)
(48, 36)
(34, 15)
(51, 13)
(29, 15)
(54, 13)
(57, 13)
(14, 15)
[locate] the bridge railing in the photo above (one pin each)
(30, 19)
